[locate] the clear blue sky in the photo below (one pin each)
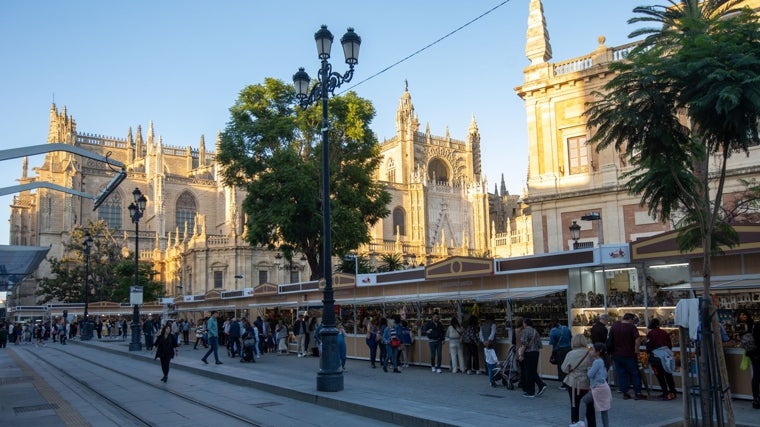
(183, 63)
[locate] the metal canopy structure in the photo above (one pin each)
(15, 153)
(17, 262)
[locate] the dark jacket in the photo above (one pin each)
(436, 330)
(165, 346)
(598, 332)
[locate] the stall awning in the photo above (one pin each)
(207, 308)
(718, 285)
(528, 293)
(17, 262)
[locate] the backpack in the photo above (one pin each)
(748, 343)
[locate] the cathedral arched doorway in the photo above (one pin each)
(438, 171)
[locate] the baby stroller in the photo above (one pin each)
(508, 371)
(248, 351)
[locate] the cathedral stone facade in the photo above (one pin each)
(193, 226)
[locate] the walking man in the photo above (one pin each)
(299, 329)
(212, 329)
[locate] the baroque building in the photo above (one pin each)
(193, 225)
(568, 179)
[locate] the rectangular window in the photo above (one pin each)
(218, 281)
(263, 277)
(294, 273)
(577, 155)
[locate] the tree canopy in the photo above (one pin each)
(272, 148)
(110, 273)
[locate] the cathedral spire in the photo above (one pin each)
(503, 190)
(130, 147)
(537, 48)
(139, 143)
(202, 152)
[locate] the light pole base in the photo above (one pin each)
(87, 327)
(330, 382)
(135, 344)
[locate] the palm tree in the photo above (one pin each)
(687, 93)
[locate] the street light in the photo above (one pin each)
(575, 233)
(86, 325)
(595, 216)
(289, 266)
(330, 376)
(136, 210)
(354, 257)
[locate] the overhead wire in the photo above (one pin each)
(418, 51)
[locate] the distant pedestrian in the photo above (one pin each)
(62, 331)
(436, 334)
(559, 338)
(299, 330)
(406, 340)
(491, 361)
(166, 349)
(3, 335)
(186, 332)
(200, 335)
(659, 345)
(341, 345)
(529, 353)
(281, 332)
(600, 394)
(372, 340)
(576, 366)
(148, 332)
(470, 343)
(213, 338)
(626, 340)
(124, 329)
(456, 352)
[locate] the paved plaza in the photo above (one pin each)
(415, 397)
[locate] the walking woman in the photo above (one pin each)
(166, 349)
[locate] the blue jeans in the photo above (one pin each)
(436, 350)
(625, 366)
(491, 367)
(213, 342)
(372, 351)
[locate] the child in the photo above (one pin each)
(491, 361)
(600, 390)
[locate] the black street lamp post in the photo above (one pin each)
(136, 210)
(330, 376)
(575, 233)
(86, 324)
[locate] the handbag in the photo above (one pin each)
(745, 363)
(395, 342)
(553, 358)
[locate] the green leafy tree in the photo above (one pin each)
(391, 262)
(687, 94)
(272, 148)
(125, 270)
(106, 277)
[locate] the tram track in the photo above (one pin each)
(125, 409)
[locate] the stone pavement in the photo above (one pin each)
(415, 397)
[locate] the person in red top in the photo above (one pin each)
(657, 338)
(625, 351)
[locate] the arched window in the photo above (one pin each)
(438, 171)
(391, 171)
(110, 211)
(186, 212)
(399, 222)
